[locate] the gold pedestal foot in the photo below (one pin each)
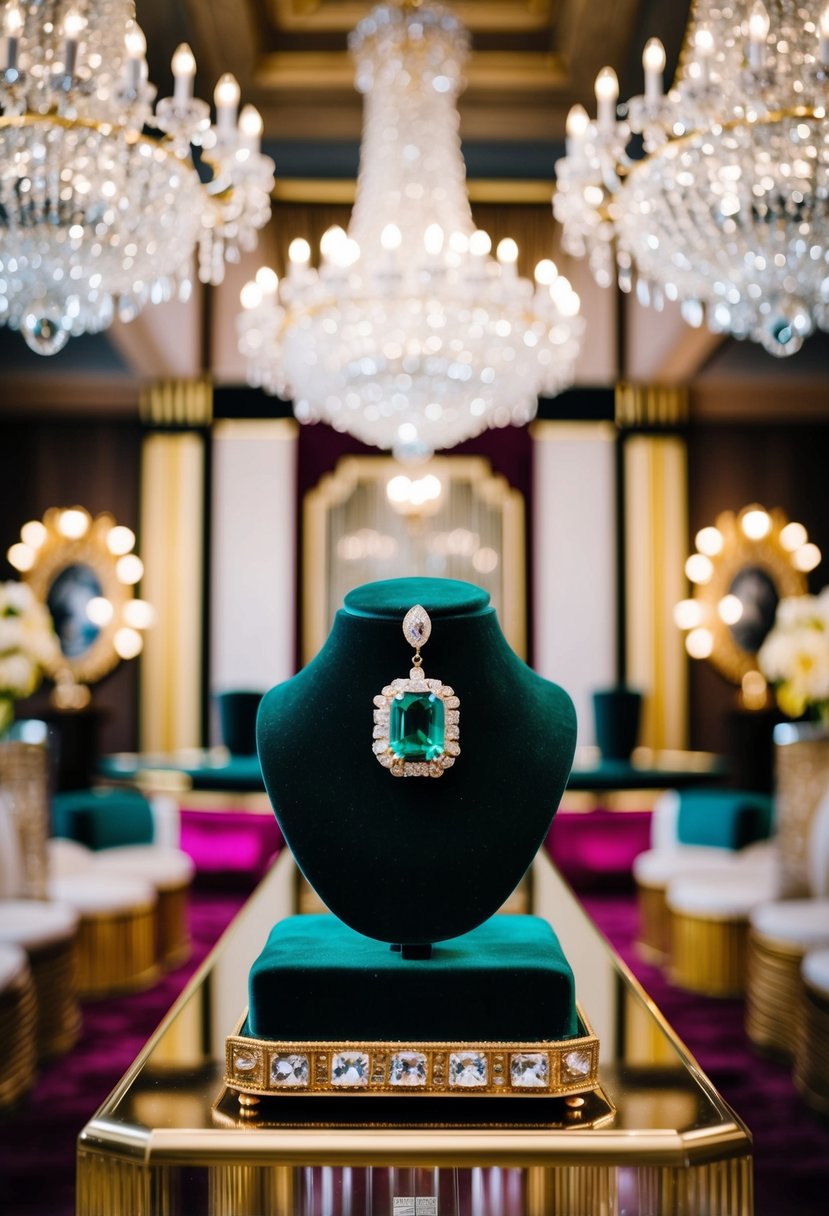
(249, 1104)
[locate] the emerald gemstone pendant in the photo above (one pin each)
(416, 721)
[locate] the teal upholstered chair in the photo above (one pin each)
(103, 818)
(237, 720)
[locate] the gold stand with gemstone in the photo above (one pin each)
(436, 758)
(255, 1068)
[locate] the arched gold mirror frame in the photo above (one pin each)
(353, 506)
(68, 539)
(758, 546)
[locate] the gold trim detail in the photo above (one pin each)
(708, 953)
(773, 992)
(651, 405)
(177, 403)
(116, 952)
(344, 190)
(256, 1067)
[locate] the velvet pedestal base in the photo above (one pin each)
(507, 980)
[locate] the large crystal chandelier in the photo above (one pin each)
(96, 218)
(410, 335)
(727, 210)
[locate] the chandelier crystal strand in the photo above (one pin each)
(410, 335)
(98, 219)
(727, 211)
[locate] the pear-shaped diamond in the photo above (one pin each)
(417, 626)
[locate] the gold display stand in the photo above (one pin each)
(656, 1133)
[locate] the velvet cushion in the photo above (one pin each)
(417, 859)
(506, 980)
(726, 819)
(103, 819)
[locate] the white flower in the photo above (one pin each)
(795, 654)
(27, 640)
(18, 675)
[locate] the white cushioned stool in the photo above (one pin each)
(652, 872)
(811, 1057)
(709, 927)
(18, 1017)
(48, 933)
(780, 934)
(65, 857)
(116, 933)
(170, 872)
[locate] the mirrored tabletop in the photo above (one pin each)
(655, 1137)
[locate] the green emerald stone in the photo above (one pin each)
(416, 726)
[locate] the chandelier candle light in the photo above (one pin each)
(727, 210)
(98, 219)
(410, 335)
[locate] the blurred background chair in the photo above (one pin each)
(237, 720)
(811, 1063)
(18, 1017)
(781, 933)
(47, 932)
(109, 834)
(694, 832)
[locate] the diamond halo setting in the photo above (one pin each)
(416, 721)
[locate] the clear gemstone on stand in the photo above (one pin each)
(417, 627)
(349, 1069)
(467, 1069)
(577, 1064)
(289, 1072)
(529, 1070)
(245, 1061)
(408, 1068)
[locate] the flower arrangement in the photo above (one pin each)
(795, 655)
(27, 643)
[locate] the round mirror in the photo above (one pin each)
(743, 566)
(755, 589)
(68, 601)
(85, 571)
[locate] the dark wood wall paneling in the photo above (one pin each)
(731, 466)
(72, 462)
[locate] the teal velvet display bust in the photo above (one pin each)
(415, 860)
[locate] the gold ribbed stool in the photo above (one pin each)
(48, 933)
(652, 872)
(811, 1057)
(709, 929)
(18, 1030)
(116, 932)
(781, 933)
(170, 873)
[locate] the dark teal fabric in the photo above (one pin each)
(237, 720)
(416, 859)
(102, 819)
(318, 979)
(725, 819)
(237, 773)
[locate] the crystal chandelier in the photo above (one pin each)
(727, 210)
(98, 219)
(410, 336)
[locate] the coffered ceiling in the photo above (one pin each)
(531, 59)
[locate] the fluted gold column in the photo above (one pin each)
(655, 540)
(173, 479)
